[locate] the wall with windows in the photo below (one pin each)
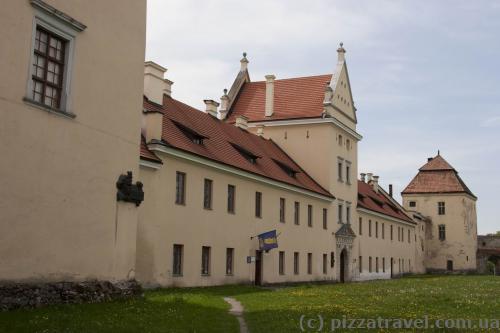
(455, 214)
(62, 154)
(382, 239)
(193, 225)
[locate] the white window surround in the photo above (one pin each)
(65, 27)
(348, 170)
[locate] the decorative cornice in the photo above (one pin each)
(60, 15)
(306, 121)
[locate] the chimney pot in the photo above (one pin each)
(429, 159)
(375, 183)
(224, 100)
(363, 177)
(269, 107)
(211, 107)
(390, 190)
(242, 122)
(155, 85)
(369, 176)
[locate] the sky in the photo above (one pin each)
(425, 75)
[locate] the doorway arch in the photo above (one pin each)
(343, 264)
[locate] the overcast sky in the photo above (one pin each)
(425, 75)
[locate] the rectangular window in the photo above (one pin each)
(207, 194)
(310, 215)
(332, 259)
(296, 263)
(409, 238)
(348, 173)
(441, 208)
(177, 259)
(325, 263)
(282, 210)
(340, 213)
(325, 218)
(348, 214)
(376, 264)
(383, 265)
(399, 234)
(370, 264)
(231, 192)
(383, 231)
(229, 261)
(392, 233)
(360, 226)
(340, 165)
(369, 228)
(309, 263)
(48, 68)
(205, 260)
(180, 188)
(442, 232)
(360, 264)
(376, 229)
(282, 263)
(412, 204)
(258, 204)
(296, 213)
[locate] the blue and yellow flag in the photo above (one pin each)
(268, 240)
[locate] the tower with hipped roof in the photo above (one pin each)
(438, 193)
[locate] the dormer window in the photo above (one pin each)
(190, 134)
(289, 170)
(250, 157)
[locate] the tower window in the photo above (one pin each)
(441, 208)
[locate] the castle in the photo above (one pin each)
(107, 176)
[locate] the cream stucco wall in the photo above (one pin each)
(59, 219)
(381, 245)
(164, 223)
(460, 220)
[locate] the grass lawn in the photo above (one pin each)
(270, 310)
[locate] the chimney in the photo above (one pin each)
(363, 177)
(155, 85)
(260, 130)
(390, 190)
(270, 95)
(224, 102)
(242, 122)
(341, 53)
(244, 63)
(369, 175)
(429, 159)
(328, 94)
(375, 183)
(211, 107)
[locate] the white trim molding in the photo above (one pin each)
(380, 215)
(148, 164)
(307, 121)
(157, 147)
(65, 27)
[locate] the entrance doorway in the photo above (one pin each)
(258, 268)
(343, 262)
(449, 265)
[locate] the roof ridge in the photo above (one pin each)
(293, 78)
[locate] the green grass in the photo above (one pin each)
(270, 310)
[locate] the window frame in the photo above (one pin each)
(46, 18)
(325, 263)
(180, 192)
(205, 258)
(208, 196)
(231, 199)
(177, 259)
(309, 215)
(296, 263)
(296, 213)
(309, 263)
(441, 208)
(229, 261)
(325, 218)
(442, 232)
(282, 210)
(360, 226)
(281, 262)
(258, 204)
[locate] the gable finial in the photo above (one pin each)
(341, 52)
(244, 62)
(439, 153)
(225, 91)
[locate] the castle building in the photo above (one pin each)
(438, 193)
(260, 188)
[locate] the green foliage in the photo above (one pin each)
(269, 309)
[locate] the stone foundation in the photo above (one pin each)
(23, 295)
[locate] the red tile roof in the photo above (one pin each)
(293, 98)
(220, 139)
(147, 154)
(379, 202)
(437, 176)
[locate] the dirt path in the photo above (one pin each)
(237, 310)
